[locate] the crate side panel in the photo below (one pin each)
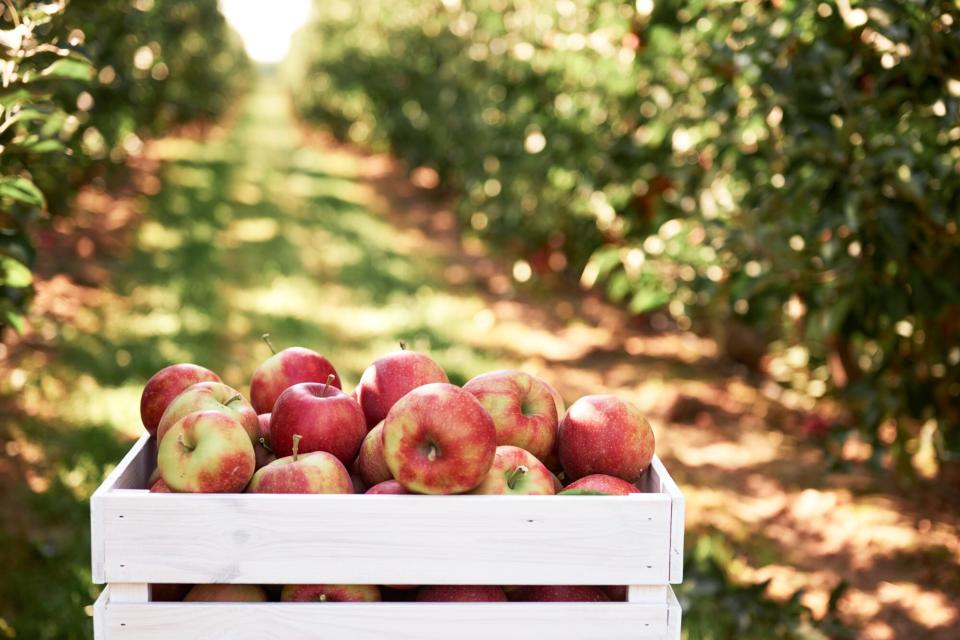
(387, 539)
(383, 621)
(677, 519)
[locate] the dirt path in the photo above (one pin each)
(267, 228)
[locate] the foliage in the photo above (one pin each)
(83, 84)
(715, 607)
(783, 166)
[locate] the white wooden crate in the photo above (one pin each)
(140, 538)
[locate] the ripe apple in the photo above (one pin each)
(516, 472)
(206, 452)
(617, 593)
(388, 487)
(317, 472)
(604, 434)
(164, 386)
(542, 593)
(212, 396)
(226, 593)
(330, 593)
(602, 484)
(168, 592)
(284, 369)
(390, 378)
(160, 487)
(439, 439)
(371, 465)
(522, 407)
(557, 399)
(325, 417)
(261, 448)
(461, 593)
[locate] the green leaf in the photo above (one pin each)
(14, 273)
(15, 320)
(20, 189)
(69, 68)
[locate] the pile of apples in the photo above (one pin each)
(404, 430)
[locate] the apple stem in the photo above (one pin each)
(326, 385)
(263, 443)
(296, 445)
(184, 444)
(266, 338)
(239, 396)
(515, 475)
(432, 454)
(403, 345)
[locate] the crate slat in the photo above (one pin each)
(383, 621)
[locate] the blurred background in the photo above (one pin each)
(741, 216)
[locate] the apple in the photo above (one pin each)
(164, 386)
(330, 593)
(461, 593)
(601, 484)
(557, 399)
(522, 407)
(168, 592)
(439, 439)
(388, 487)
(542, 593)
(617, 593)
(325, 417)
(284, 369)
(317, 472)
(205, 396)
(226, 593)
(160, 487)
(604, 434)
(516, 472)
(206, 452)
(261, 448)
(371, 464)
(390, 378)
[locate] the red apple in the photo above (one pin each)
(206, 452)
(439, 439)
(390, 378)
(461, 593)
(330, 593)
(371, 465)
(617, 593)
(210, 396)
(522, 407)
(160, 487)
(543, 593)
(284, 369)
(226, 593)
(317, 472)
(602, 484)
(604, 434)
(325, 417)
(516, 472)
(261, 448)
(557, 399)
(164, 592)
(164, 386)
(388, 487)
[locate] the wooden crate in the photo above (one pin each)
(140, 538)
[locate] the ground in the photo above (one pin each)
(264, 226)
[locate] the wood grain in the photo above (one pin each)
(386, 621)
